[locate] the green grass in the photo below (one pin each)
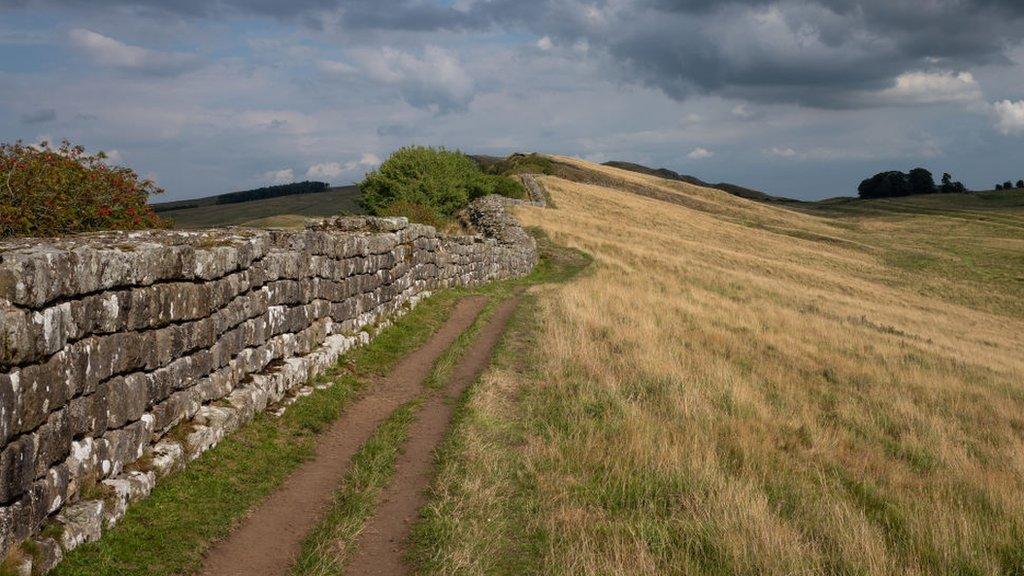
(168, 532)
(962, 248)
(504, 542)
(328, 546)
(325, 548)
(507, 544)
(342, 200)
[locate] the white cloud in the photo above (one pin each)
(335, 68)
(1009, 116)
(114, 156)
(742, 111)
(545, 43)
(932, 88)
(700, 154)
(781, 152)
(112, 53)
(284, 176)
(325, 171)
(369, 160)
(435, 79)
(822, 153)
(334, 170)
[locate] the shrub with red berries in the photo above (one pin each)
(46, 191)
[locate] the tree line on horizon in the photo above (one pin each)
(918, 181)
(1010, 185)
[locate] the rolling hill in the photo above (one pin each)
(208, 213)
(733, 189)
(740, 387)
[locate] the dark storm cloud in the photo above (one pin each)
(828, 53)
(825, 53)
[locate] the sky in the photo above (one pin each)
(796, 98)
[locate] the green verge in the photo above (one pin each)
(169, 532)
(502, 538)
(329, 546)
(506, 545)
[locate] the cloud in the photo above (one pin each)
(932, 88)
(42, 116)
(700, 154)
(331, 171)
(433, 79)
(283, 121)
(819, 53)
(284, 176)
(114, 156)
(1009, 116)
(112, 53)
(335, 68)
(781, 152)
(395, 130)
(824, 153)
(742, 111)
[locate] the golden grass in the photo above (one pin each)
(738, 388)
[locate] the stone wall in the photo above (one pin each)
(110, 341)
(534, 190)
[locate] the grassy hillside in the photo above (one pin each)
(743, 388)
(734, 189)
(205, 213)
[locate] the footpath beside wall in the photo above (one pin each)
(110, 341)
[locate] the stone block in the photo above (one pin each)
(82, 522)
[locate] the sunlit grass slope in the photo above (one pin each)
(738, 388)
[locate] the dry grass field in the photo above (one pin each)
(739, 388)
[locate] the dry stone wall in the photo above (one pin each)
(110, 341)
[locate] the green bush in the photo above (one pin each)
(415, 213)
(430, 185)
(50, 192)
(510, 187)
(434, 177)
(521, 164)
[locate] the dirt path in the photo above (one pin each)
(382, 545)
(269, 540)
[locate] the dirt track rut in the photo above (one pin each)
(268, 540)
(382, 545)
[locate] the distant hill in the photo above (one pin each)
(255, 207)
(246, 195)
(733, 189)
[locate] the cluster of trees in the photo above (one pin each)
(917, 181)
(430, 185)
(273, 192)
(1010, 186)
(46, 191)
